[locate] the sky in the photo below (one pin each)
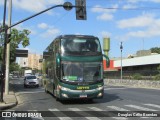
(136, 23)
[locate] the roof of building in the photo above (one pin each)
(136, 61)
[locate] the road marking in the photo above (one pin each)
(120, 118)
(89, 118)
(74, 109)
(140, 108)
(53, 109)
(65, 118)
(92, 118)
(61, 118)
(153, 105)
(114, 88)
(117, 108)
(95, 109)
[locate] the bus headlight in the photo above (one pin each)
(100, 88)
(64, 88)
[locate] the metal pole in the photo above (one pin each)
(35, 15)
(4, 52)
(8, 49)
(121, 47)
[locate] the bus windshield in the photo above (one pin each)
(80, 46)
(73, 72)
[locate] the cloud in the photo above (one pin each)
(145, 26)
(140, 21)
(42, 25)
(105, 13)
(148, 33)
(35, 5)
(105, 34)
(49, 30)
(105, 16)
(136, 1)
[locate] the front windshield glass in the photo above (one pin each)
(81, 72)
(80, 46)
(31, 77)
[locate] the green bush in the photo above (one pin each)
(157, 77)
(137, 76)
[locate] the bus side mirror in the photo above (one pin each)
(57, 60)
(107, 60)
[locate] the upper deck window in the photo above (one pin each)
(80, 46)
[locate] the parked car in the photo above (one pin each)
(31, 80)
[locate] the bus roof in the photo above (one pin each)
(72, 35)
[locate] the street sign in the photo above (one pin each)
(21, 53)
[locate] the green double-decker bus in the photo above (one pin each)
(73, 65)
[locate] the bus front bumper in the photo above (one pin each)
(65, 93)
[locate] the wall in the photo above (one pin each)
(133, 83)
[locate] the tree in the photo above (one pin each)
(14, 67)
(155, 50)
(17, 37)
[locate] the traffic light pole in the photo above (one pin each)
(8, 50)
(4, 51)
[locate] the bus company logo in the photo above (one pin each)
(83, 88)
(6, 114)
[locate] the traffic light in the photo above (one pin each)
(81, 10)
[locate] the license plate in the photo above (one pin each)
(83, 96)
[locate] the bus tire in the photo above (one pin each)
(25, 86)
(57, 99)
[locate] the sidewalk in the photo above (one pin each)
(9, 101)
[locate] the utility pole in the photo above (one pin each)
(121, 48)
(8, 49)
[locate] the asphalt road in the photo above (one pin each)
(116, 99)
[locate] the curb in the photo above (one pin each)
(8, 106)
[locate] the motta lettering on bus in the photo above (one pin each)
(83, 88)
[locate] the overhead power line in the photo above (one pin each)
(121, 8)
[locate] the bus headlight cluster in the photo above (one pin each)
(100, 88)
(65, 95)
(64, 88)
(100, 94)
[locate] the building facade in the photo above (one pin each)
(32, 61)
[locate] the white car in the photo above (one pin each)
(31, 80)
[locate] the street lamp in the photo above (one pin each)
(121, 48)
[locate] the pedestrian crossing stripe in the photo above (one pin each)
(95, 109)
(141, 108)
(117, 108)
(153, 105)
